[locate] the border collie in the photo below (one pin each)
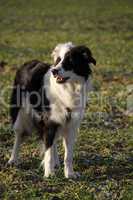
(51, 100)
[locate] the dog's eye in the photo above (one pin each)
(67, 64)
(57, 60)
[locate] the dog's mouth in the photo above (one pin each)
(60, 79)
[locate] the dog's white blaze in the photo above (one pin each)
(61, 49)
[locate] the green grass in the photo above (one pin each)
(104, 149)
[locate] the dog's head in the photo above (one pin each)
(71, 63)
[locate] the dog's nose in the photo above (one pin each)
(55, 71)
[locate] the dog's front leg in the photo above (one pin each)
(49, 161)
(56, 157)
(68, 142)
(50, 130)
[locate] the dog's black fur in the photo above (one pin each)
(29, 78)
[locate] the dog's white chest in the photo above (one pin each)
(65, 96)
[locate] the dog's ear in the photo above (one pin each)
(87, 54)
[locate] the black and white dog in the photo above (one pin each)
(52, 99)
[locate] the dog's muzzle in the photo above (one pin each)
(59, 78)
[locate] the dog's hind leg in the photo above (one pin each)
(14, 156)
(19, 130)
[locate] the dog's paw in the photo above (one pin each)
(49, 172)
(72, 175)
(13, 162)
(49, 175)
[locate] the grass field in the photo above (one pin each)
(104, 149)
